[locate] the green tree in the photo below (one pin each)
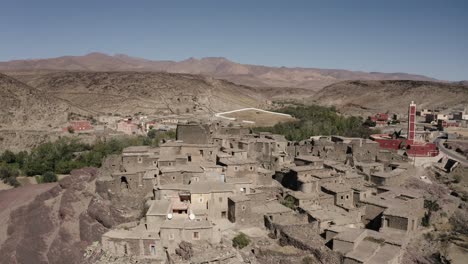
(432, 206)
(8, 156)
(315, 120)
(289, 202)
(49, 177)
(152, 133)
(240, 241)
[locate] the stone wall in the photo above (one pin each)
(193, 133)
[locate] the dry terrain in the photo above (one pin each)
(34, 106)
(147, 92)
(370, 97)
(218, 67)
(252, 117)
(27, 108)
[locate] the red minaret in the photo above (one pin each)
(411, 123)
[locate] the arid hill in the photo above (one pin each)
(366, 97)
(147, 92)
(26, 108)
(218, 67)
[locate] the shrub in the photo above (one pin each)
(152, 133)
(308, 260)
(288, 202)
(49, 177)
(432, 206)
(426, 219)
(8, 173)
(240, 241)
(70, 130)
(8, 156)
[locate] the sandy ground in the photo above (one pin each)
(14, 198)
(4, 186)
(262, 119)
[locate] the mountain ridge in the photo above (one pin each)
(369, 97)
(218, 67)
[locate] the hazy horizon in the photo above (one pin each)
(419, 37)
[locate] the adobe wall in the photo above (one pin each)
(396, 222)
(175, 177)
(265, 179)
(193, 133)
(241, 213)
(138, 162)
(373, 214)
(170, 238)
(200, 202)
(219, 204)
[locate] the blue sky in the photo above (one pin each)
(423, 37)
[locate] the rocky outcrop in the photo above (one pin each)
(58, 225)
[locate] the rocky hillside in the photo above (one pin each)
(26, 108)
(147, 92)
(54, 223)
(218, 67)
(367, 97)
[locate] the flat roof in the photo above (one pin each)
(239, 198)
(182, 168)
(273, 207)
(385, 254)
(390, 174)
(174, 186)
(322, 173)
(351, 234)
(400, 211)
(235, 161)
(134, 233)
(302, 195)
(410, 192)
(264, 171)
(186, 224)
(303, 168)
(308, 158)
(337, 187)
(330, 213)
(247, 180)
(364, 251)
(159, 207)
(211, 187)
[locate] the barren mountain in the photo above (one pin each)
(366, 97)
(251, 75)
(26, 108)
(147, 92)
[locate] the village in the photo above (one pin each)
(338, 199)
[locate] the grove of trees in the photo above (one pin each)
(313, 120)
(67, 154)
